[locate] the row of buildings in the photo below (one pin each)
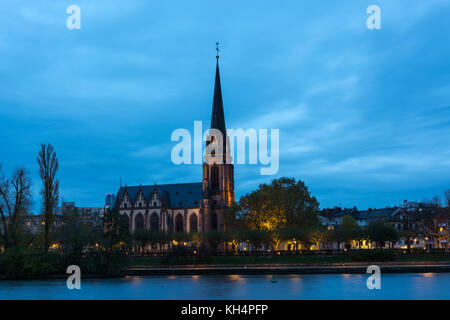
(89, 215)
(425, 222)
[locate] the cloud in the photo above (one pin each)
(363, 115)
(152, 152)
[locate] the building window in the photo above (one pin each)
(179, 223)
(154, 221)
(139, 222)
(193, 223)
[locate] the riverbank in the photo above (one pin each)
(260, 265)
(276, 259)
(264, 269)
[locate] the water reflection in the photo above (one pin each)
(326, 286)
(428, 275)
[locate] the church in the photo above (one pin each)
(185, 207)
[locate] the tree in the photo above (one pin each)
(432, 224)
(254, 213)
(214, 238)
(316, 237)
(347, 231)
(115, 232)
(15, 200)
(48, 166)
(275, 237)
(257, 238)
(447, 197)
(283, 203)
(381, 232)
(196, 238)
(436, 202)
(141, 238)
(297, 235)
(76, 237)
(230, 218)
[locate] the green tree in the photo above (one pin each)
(230, 218)
(214, 238)
(275, 237)
(141, 238)
(317, 236)
(381, 232)
(116, 235)
(297, 235)
(76, 237)
(347, 231)
(283, 203)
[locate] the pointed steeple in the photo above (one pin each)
(218, 117)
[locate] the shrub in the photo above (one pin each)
(99, 263)
(29, 263)
(180, 254)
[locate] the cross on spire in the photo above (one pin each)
(217, 49)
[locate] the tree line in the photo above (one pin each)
(96, 248)
(282, 211)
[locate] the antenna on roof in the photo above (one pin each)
(121, 182)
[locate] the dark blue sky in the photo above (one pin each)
(364, 116)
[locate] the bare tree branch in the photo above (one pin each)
(48, 166)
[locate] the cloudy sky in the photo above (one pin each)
(364, 115)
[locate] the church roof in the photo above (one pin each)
(177, 195)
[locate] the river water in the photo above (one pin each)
(286, 287)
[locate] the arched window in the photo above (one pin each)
(179, 223)
(154, 221)
(214, 221)
(139, 222)
(125, 222)
(193, 223)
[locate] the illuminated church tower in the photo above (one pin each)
(186, 207)
(218, 170)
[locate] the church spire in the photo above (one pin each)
(218, 117)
